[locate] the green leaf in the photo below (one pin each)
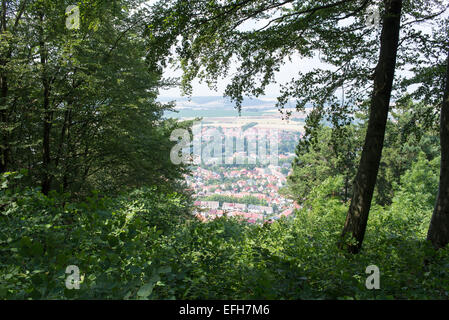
(146, 290)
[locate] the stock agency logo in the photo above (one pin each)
(73, 279)
(72, 21)
(373, 18)
(216, 146)
(373, 280)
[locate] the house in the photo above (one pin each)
(257, 209)
(234, 206)
(214, 205)
(286, 213)
(200, 217)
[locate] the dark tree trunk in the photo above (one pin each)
(438, 232)
(46, 158)
(365, 180)
(4, 143)
(68, 154)
(6, 109)
(346, 187)
(47, 121)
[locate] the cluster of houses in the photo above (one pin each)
(255, 145)
(265, 181)
(209, 210)
(261, 182)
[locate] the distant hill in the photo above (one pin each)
(218, 106)
(217, 101)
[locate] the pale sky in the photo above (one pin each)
(287, 72)
(285, 75)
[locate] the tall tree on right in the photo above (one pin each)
(365, 180)
(431, 80)
(438, 232)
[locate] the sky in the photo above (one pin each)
(287, 72)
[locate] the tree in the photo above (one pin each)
(431, 77)
(329, 152)
(365, 180)
(80, 109)
(411, 129)
(326, 156)
(438, 232)
(11, 15)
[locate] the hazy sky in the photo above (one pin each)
(286, 73)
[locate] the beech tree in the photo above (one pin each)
(365, 181)
(430, 76)
(78, 108)
(438, 232)
(11, 15)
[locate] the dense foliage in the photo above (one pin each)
(243, 200)
(78, 107)
(144, 245)
(328, 151)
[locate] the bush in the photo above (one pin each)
(146, 245)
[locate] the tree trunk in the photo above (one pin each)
(438, 232)
(47, 123)
(365, 180)
(4, 143)
(6, 109)
(46, 158)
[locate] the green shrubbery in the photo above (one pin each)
(244, 200)
(147, 245)
(112, 241)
